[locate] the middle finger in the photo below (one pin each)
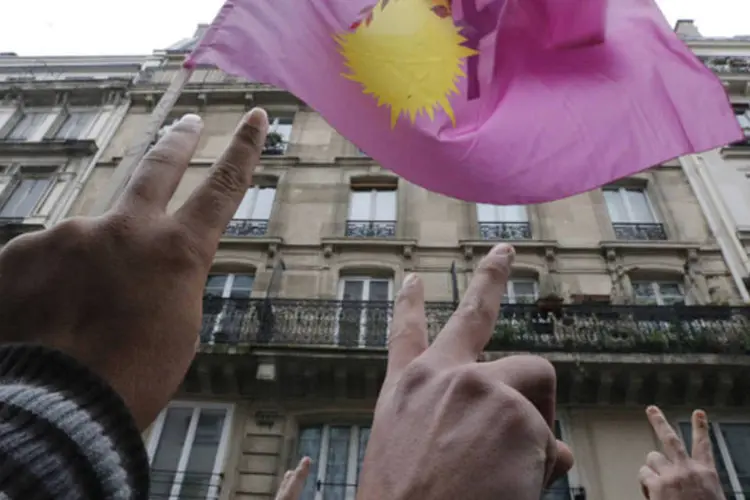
(471, 326)
(673, 446)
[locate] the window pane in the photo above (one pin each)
(360, 203)
(24, 198)
(337, 461)
(671, 293)
(643, 292)
(242, 286)
(364, 438)
(167, 456)
(615, 206)
(353, 290)
(385, 205)
(687, 437)
(512, 213)
(245, 209)
(215, 285)
(283, 126)
(75, 125)
(309, 446)
(264, 204)
(200, 467)
(524, 292)
(379, 290)
(486, 213)
(737, 438)
(27, 126)
(640, 210)
(744, 119)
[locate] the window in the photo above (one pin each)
(251, 218)
(187, 448)
(658, 293)
(27, 126)
(743, 116)
(76, 125)
(372, 212)
(560, 489)
(632, 216)
(731, 449)
(337, 452)
(25, 194)
(521, 292)
(226, 306)
(279, 135)
(365, 311)
(505, 222)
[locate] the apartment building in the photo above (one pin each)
(720, 177)
(57, 114)
(625, 289)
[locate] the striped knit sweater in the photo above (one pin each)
(64, 433)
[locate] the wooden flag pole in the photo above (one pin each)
(135, 153)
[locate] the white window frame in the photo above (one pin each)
(723, 448)
(621, 192)
(282, 120)
(45, 112)
(510, 292)
(373, 192)
(226, 293)
(221, 450)
(656, 287)
(255, 190)
(16, 174)
(68, 114)
(498, 214)
(365, 280)
(322, 458)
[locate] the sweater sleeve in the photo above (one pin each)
(64, 433)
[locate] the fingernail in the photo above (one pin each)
(410, 279)
(652, 410)
(256, 117)
(701, 417)
(192, 120)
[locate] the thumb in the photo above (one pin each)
(563, 463)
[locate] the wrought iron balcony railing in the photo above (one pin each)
(505, 230)
(371, 228)
(571, 328)
(169, 484)
(246, 227)
(564, 494)
(339, 490)
(639, 231)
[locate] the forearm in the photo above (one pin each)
(64, 433)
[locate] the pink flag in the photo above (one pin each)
(493, 101)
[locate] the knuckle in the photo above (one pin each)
(415, 376)
(470, 383)
(494, 267)
(161, 155)
(673, 441)
(251, 136)
(476, 310)
(227, 178)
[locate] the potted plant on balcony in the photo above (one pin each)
(274, 143)
(550, 294)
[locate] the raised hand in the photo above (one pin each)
(447, 427)
(294, 481)
(675, 475)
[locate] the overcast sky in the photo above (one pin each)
(73, 27)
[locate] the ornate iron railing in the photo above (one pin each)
(570, 328)
(639, 231)
(191, 485)
(340, 490)
(727, 64)
(505, 230)
(371, 228)
(246, 227)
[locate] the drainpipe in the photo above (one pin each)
(115, 121)
(718, 217)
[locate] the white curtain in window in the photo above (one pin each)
(501, 213)
(256, 204)
(628, 206)
(385, 205)
(375, 205)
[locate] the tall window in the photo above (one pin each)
(505, 222)
(251, 218)
(372, 212)
(560, 489)
(27, 126)
(658, 293)
(521, 292)
(731, 449)
(26, 191)
(76, 125)
(365, 311)
(226, 307)
(337, 452)
(632, 216)
(187, 447)
(279, 134)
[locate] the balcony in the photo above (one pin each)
(68, 147)
(521, 327)
(371, 229)
(246, 228)
(505, 230)
(168, 484)
(639, 231)
(724, 65)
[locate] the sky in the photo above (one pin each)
(137, 27)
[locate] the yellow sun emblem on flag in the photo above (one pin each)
(407, 57)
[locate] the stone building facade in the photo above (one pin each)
(625, 289)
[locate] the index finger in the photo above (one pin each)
(471, 325)
(211, 206)
(701, 439)
(673, 447)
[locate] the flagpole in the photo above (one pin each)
(135, 153)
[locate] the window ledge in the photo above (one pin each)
(270, 243)
(530, 243)
(654, 245)
(354, 161)
(331, 243)
(68, 147)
